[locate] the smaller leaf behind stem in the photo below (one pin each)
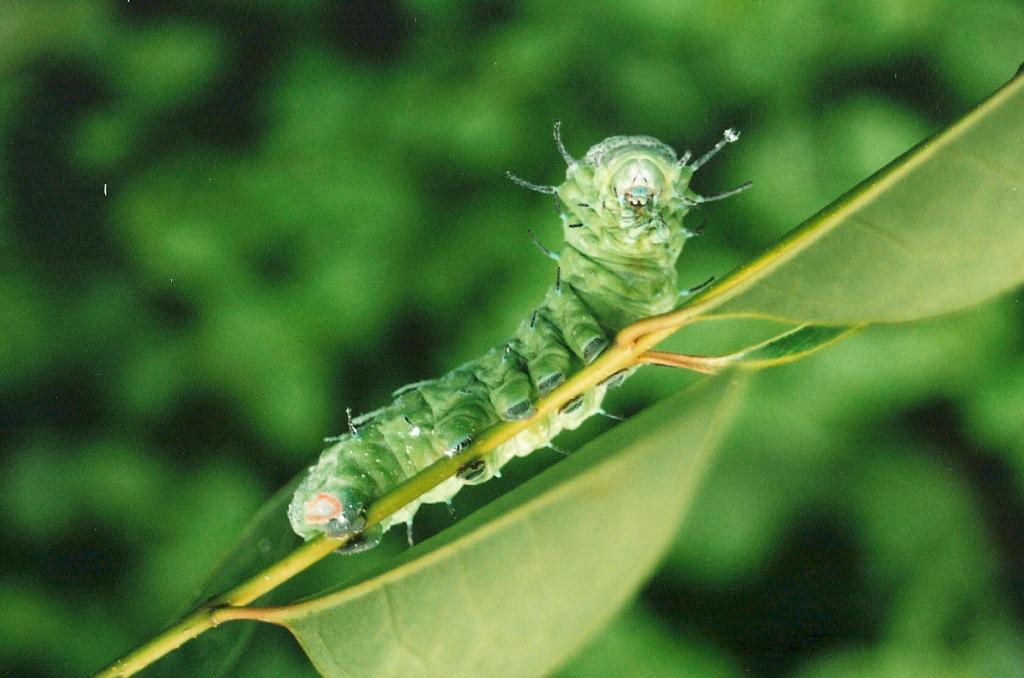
(781, 349)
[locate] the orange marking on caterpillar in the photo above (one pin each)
(322, 507)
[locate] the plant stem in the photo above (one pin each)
(225, 607)
(697, 363)
(203, 619)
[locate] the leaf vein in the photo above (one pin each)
(881, 231)
(482, 621)
(997, 170)
(389, 606)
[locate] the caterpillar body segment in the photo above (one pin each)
(622, 207)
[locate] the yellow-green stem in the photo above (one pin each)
(226, 607)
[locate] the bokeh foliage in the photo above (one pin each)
(304, 209)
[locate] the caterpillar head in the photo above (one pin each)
(630, 193)
(627, 197)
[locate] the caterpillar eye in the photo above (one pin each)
(323, 508)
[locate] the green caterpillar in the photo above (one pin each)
(622, 209)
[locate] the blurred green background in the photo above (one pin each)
(223, 222)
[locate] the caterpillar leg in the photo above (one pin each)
(475, 472)
(507, 385)
(548, 361)
(457, 430)
(461, 408)
(577, 410)
(616, 379)
(364, 541)
(579, 328)
(572, 406)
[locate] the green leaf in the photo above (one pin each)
(788, 347)
(517, 587)
(939, 229)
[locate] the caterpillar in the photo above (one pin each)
(622, 208)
